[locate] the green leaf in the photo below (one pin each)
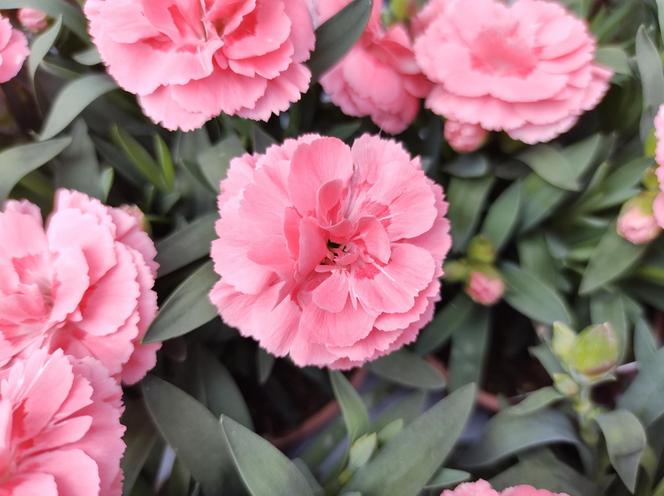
(626, 441)
(186, 245)
(469, 348)
(77, 167)
(645, 396)
(336, 36)
(447, 477)
(614, 57)
(610, 307)
(466, 198)
(652, 78)
(222, 395)
(140, 437)
(89, 56)
(645, 346)
(260, 140)
(445, 324)
(165, 162)
(537, 400)
(191, 430)
(353, 410)
(405, 465)
(362, 450)
(541, 469)
(41, 46)
(265, 365)
(72, 17)
(506, 435)
(503, 216)
(533, 297)
(139, 157)
(187, 308)
(468, 166)
(612, 259)
(19, 161)
(264, 470)
(408, 369)
(552, 166)
(72, 99)
(214, 161)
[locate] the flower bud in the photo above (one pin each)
(32, 19)
(595, 352)
(464, 137)
(637, 223)
(485, 286)
(565, 384)
(481, 250)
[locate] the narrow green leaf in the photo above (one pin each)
(405, 465)
(531, 296)
(469, 348)
(408, 369)
(260, 140)
(41, 46)
(610, 307)
(552, 166)
(614, 57)
(72, 16)
(506, 435)
(447, 477)
(353, 409)
(186, 245)
(77, 167)
(645, 396)
(191, 430)
(139, 157)
(612, 259)
(652, 78)
(72, 99)
(165, 162)
(469, 166)
(265, 364)
(337, 35)
(503, 216)
(445, 324)
(187, 308)
(537, 400)
(214, 161)
(626, 441)
(89, 56)
(140, 437)
(466, 198)
(17, 162)
(645, 346)
(264, 470)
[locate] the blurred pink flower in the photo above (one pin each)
(83, 283)
(636, 222)
(485, 289)
(658, 205)
(13, 50)
(32, 19)
(378, 77)
(327, 253)
(198, 59)
(464, 137)
(60, 424)
(483, 488)
(526, 69)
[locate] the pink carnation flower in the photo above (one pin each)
(327, 253)
(526, 69)
(483, 488)
(658, 206)
(190, 60)
(13, 50)
(485, 289)
(32, 19)
(81, 283)
(464, 137)
(379, 76)
(60, 424)
(637, 225)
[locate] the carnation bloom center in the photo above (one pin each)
(500, 50)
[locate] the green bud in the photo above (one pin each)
(456, 271)
(563, 341)
(650, 144)
(481, 250)
(361, 451)
(595, 352)
(400, 9)
(565, 384)
(650, 181)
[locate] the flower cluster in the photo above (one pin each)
(483, 488)
(75, 301)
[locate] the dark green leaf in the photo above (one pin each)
(649, 63)
(17, 162)
(191, 430)
(552, 166)
(41, 45)
(645, 396)
(626, 441)
(614, 57)
(140, 437)
(466, 198)
(468, 166)
(139, 157)
(537, 400)
(408, 369)
(447, 477)
(265, 365)
(89, 56)
(508, 434)
(445, 324)
(405, 465)
(72, 99)
(264, 470)
(354, 412)
(72, 17)
(645, 346)
(214, 161)
(503, 216)
(612, 259)
(165, 162)
(531, 296)
(469, 347)
(337, 35)
(77, 167)
(187, 245)
(187, 308)
(261, 141)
